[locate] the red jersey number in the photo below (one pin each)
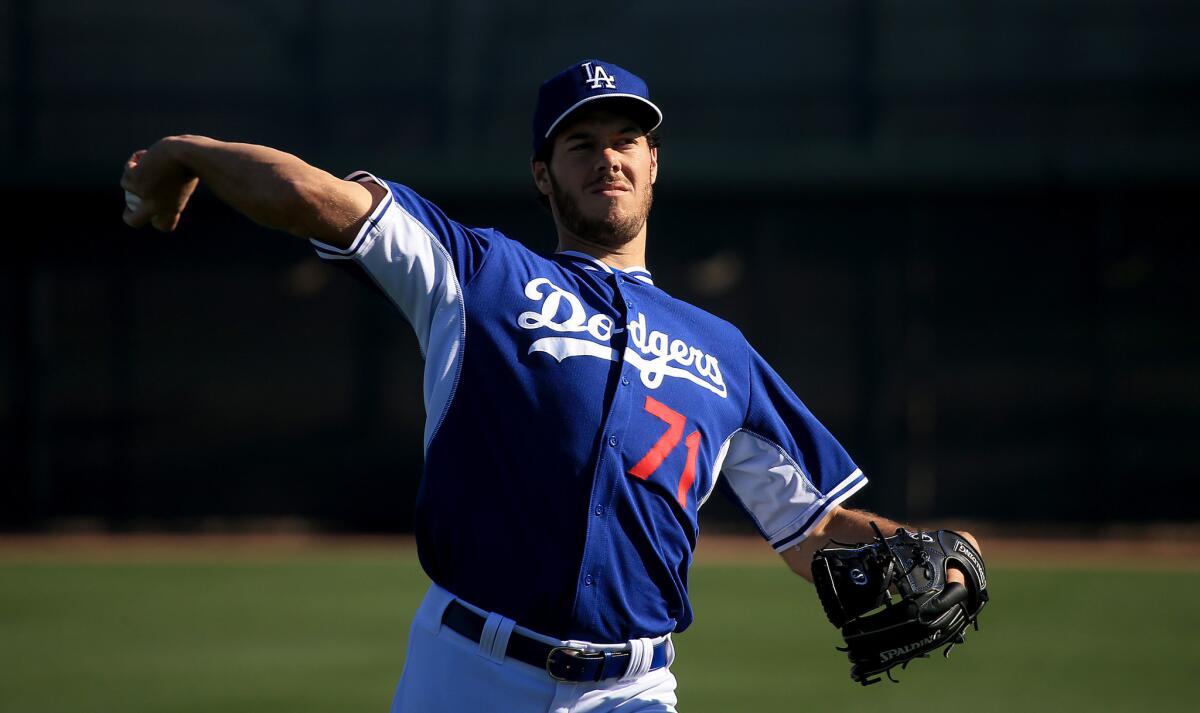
(663, 446)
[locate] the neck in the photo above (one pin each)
(631, 254)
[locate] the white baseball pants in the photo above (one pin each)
(445, 671)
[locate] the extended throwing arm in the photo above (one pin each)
(271, 187)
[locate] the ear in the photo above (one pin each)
(541, 177)
(653, 164)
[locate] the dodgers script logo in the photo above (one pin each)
(651, 352)
(598, 76)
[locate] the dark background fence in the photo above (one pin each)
(965, 234)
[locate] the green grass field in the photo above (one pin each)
(326, 632)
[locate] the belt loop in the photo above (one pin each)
(641, 655)
(493, 641)
(500, 644)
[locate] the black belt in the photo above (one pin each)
(563, 663)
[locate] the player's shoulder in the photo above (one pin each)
(701, 317)
(428, 209)
(405, 197)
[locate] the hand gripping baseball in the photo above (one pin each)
(855, 584)
(157, 188)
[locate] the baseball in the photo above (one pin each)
(132, 200)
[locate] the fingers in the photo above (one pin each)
(161, 200)
(130, 164)
(136, 218)
(134, 160)
(167, 220)
(127, 173)
(146, 213)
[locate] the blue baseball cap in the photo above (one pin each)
(587, 82)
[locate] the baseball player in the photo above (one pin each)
(578, 415)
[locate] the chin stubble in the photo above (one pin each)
(610, 232)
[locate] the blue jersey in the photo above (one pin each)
(577, 418)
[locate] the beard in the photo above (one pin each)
(611, 231)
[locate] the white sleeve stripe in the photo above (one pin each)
(845, 489)
(332, 256)
(416, 272)
(438, 397)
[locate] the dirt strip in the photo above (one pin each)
(166, 546)
(1167, 549)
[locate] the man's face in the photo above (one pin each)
(600, 178)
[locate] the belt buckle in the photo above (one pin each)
(571, 662)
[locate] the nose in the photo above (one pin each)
(609, 161)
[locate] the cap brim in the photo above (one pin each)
(641, 109)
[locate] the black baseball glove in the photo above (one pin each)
(883, 631)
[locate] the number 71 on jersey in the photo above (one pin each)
(663, 446)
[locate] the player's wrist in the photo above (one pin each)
(183, 152)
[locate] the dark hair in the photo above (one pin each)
(653, 139)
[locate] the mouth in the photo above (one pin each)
(608, 188)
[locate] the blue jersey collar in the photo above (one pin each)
(639, 273)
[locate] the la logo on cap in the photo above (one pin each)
(597, 76)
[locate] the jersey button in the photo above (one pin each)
(587, 581)
(612, 441)
(624, 381)
(599, 509)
